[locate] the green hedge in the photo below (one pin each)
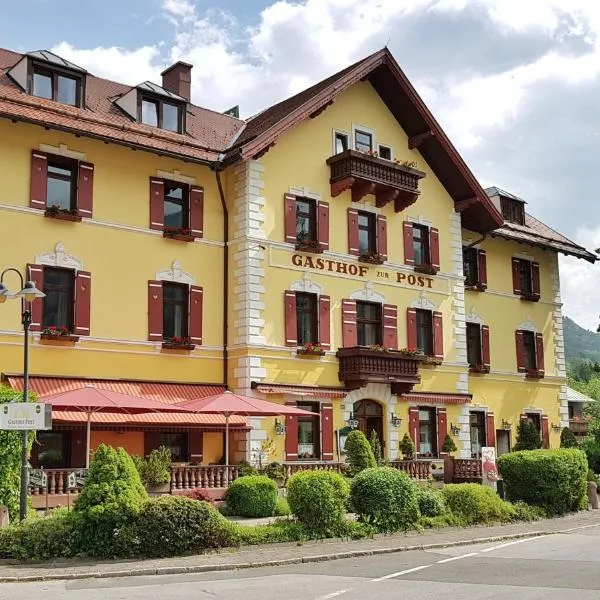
(385, 498)
(252, 496)
(473, 503)
(555, 480)
(431, 502)
(359, 453)
(318, 500)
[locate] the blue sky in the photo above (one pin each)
(515, 83)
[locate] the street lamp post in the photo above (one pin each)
(27, 294)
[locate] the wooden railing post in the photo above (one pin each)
(448, 469)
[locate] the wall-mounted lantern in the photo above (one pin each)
(455, 429)
(279, 427)
(396, 421)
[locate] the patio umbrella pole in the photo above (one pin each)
(87, 439)
(227, 445)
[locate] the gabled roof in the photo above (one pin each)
(390, 82)
(575, 396)
(50, 57)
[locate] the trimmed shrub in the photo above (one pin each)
(318, 500)
(528, 436)
(283, 508)
(407, 447)
(385, 498)
(245, 469)
(155, 469)
(376, 448)
(359, 453)
(473, 503)
(110, 500)
(555, 480)
(252, 496)
(275, 471)
(449, 445)
(526, 512)
(173, 525)
(431, 502)
(568, 439)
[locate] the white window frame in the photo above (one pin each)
(363, 129)
(340, 132)
(390, 148)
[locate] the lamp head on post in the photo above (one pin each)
(4, 293)
(29, 292)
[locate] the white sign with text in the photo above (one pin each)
(20, 416)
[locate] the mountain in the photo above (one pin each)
(580, 342)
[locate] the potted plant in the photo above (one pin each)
(178, 343)
(373, 258)
(449, 445)
(56, 212)
(311, 349)
(155, 470)
(407, 447)
(305, 244)
(378, 348)
(432, 360)
(54, 331)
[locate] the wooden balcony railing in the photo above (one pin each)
(579, 426)
(416, 469)
(189, 477)
(462, 470)
(365, 174)
(361, 365)
(58, 483)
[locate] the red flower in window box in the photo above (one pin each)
(178, 343)
(311, 349)
(60, 333)
(66, 214)
(426, 269)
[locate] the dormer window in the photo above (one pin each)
(157, 113)
(55, 86)
(513, 211)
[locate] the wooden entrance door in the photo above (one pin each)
(370, 418)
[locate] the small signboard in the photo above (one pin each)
(25, 416)
(37, 478)
(489, 469)
(80, 476)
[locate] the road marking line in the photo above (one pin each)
(333, 595)
(453, 558)
(399, 573)
(539, 537)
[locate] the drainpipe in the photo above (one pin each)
(225, 275)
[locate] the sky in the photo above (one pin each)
(514, 83)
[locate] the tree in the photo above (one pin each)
(407, 447)
(528, 436)
(449, 445)
(376, 447)
(358, 453)
(568, 439)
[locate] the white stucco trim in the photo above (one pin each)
(464, 437)
(176, 175)
(368, 294)
(557, 322)
(59, 258)
(62, 150)
(175, 274)
(423, 302)
(340, 132)
(523, 256)
(357, 127)
(527, 325)
(306, 285)
(305, 192)
(379, 144)
(474, 317)
(420, 220)
(563, 406)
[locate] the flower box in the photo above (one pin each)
(311, 246)
(178, 343)
(181, 234)
(479, 369)
(64, 339)
(530, 297)
(476, 287)
(426, 269)
(310, 350)
(432, 361)
(63, 214)
(372, 258)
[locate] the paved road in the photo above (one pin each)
(553, 567)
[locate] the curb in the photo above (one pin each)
(145, 572)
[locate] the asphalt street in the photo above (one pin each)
(552, 567)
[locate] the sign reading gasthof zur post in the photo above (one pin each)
(23, 416)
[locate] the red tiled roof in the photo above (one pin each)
(169, 393)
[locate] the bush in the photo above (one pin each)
(155, 470)
(252, 496)
(173, 525)
(568, 439)
(449, 445)
(555, 480)
(431, 502)
(274, 471)
(245, 469)
(376, 448)
(318, 500)
(283, 508)
(407, 447)
(528, 436)
(110, 500)
(473, 503)
(359, 454)
(526, 512)
(385, 498)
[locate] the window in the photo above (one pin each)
(474, 354)
(56, 86)
(51, 450)
(385, 152)
(525, 276)
(175, 311)
(367, 233)
(368, 324)
(308, 433)
(158, 113)
(61, 186)
(470, 266)
(529, 350)
(59, 301)
(176, 206)
(424, 331)
(536, 419)
(306, 318)
(512, 211)
(341, 142)
(477, 430)
(177, 443)
(363, 142)
(427, 432)
(421, 245)
(526, 279)
(306, 220)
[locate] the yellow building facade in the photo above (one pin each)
(333, 252)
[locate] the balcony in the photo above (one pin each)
(363, 174)
(360, 366)
(579, 426)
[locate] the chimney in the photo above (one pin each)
(178, 78)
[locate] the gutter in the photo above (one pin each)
(476, 241)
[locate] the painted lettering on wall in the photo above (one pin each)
(336, 266)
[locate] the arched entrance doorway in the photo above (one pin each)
(369, 415)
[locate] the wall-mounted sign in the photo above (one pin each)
(488, 466)
(37, 478)
(19, 416)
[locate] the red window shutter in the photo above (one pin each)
(196, 304)
(490, 430)
(485, 345)
(516, 273)
(382, 236)
(535, 279)
(155, 311)
(85, 190)
(409, 249)
(390, 326)
(349, 334)
(290, 218)
(545, 432)
(291, 323)
(442, 427)
(326, 432)
(413, 425)
(38, 188)
(83, 302)
(520, 351)
(291, 435)
(438, 335)
(411, 328)
(325, 322)
(353, 232)
(157, 205)
(323, 225)
(35, 273)
(434, 248)
(482, 268)
(539, 352)
(197, 211)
